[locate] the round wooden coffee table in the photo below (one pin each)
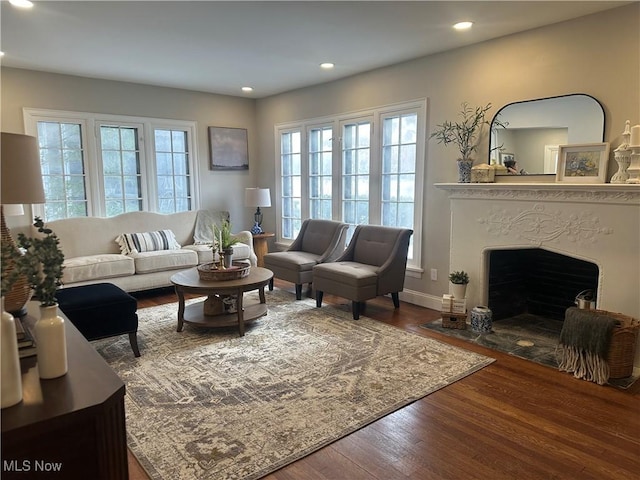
(216, 310)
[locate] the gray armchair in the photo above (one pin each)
(318, 241)
(373, 264)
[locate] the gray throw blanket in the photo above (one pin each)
(205, 219)
(584, 343)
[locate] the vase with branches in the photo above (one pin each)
(42, 264)
(465, 134)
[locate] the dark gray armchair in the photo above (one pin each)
(318, 241)
(373, 264)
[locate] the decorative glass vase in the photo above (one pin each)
(464, 170)
(51, 343)
(11, 375)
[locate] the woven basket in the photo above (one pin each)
(623, 344)
(454, 320)
(209, 272)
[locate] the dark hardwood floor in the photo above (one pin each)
(514, 419)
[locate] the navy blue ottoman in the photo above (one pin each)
(101, 310)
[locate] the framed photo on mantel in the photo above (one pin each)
(583, 163)
(228, 148)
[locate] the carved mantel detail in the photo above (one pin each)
(546, 192)
(540, 225)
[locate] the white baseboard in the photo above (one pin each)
(421, 299)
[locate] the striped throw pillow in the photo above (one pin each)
(147, 242)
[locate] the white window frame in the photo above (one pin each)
(376, 116)
(90, 122)
(306, 175)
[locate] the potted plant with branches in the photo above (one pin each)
(464, 134)
(42, 264)
(224, 241)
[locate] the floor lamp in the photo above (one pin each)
(21, 183)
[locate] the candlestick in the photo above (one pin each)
(634, 167)
(635, 136)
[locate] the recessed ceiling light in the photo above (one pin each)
(463, 25)
(21, 3)
(327, 65)
(1, 54)
(247, 89)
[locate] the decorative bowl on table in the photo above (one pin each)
(210, 272)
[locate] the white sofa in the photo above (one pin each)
(93, 255)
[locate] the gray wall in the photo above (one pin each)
(218, 189)
(598, 55)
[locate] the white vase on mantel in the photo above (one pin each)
(51, 343)
(11, 376)
(458, 290)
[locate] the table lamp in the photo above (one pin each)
(257, 197)
(21, 183)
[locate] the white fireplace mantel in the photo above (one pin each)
(596, 223)
(620, 193)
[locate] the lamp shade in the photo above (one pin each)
(21, 173)
(257, 197)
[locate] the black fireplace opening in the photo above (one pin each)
(536, 281)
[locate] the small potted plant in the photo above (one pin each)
(465, 134)
(458, 281)
(224, 242)
(42, 264)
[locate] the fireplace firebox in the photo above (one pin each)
(536, 281)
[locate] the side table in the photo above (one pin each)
(260, 246)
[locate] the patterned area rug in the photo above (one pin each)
(208, 404)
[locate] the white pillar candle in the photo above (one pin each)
(635, 136)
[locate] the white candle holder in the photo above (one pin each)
(634, 166)
(622, 156)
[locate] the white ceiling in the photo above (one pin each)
(219, 47)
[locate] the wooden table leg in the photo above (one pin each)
(240, 312)
(261, 293)
(180, 294)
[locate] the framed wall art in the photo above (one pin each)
(583, 163)
(228, 148)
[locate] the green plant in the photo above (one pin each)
(222, 236)
(459, 278)
(466, 133)
(42, 263)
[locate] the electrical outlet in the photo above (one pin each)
(434, 274)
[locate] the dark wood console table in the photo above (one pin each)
(68, 427)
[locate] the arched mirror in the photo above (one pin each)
(533, 129)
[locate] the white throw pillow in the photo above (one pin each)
(147, 242)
